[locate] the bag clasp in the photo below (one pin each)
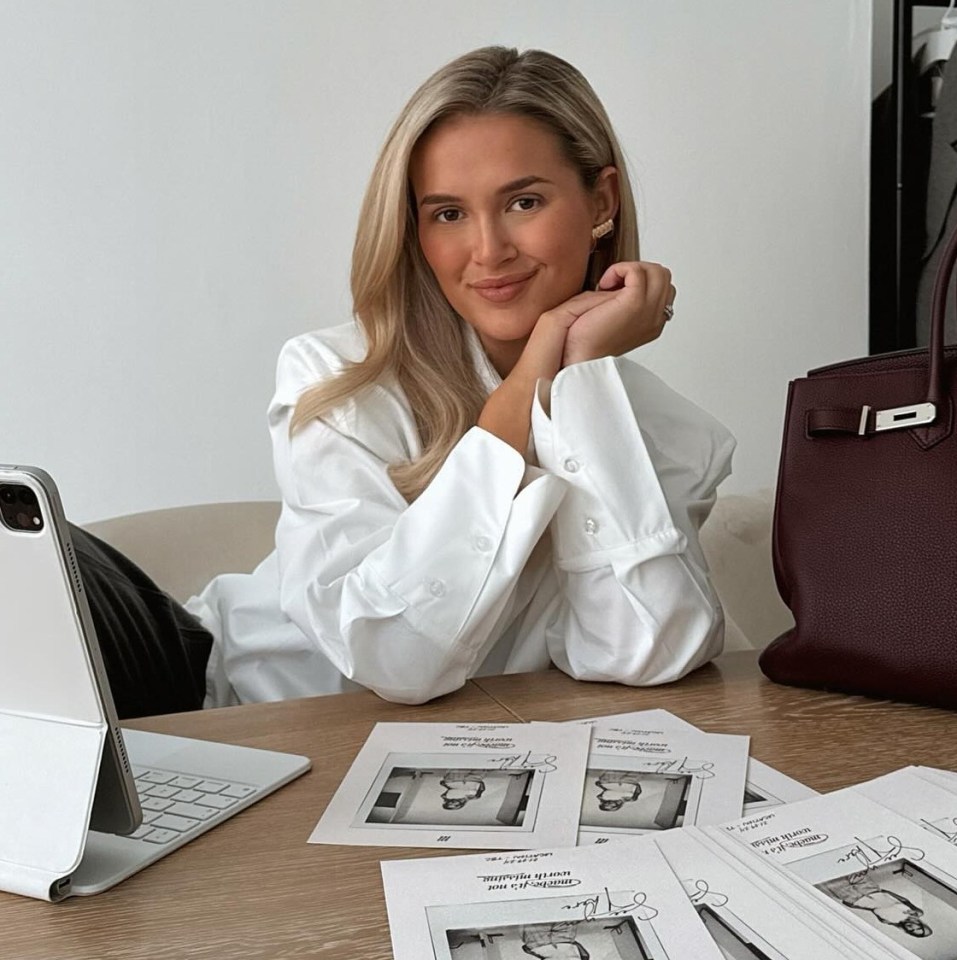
(898, 418)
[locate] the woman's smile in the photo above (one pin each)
(504, 289)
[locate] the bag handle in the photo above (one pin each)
(931, 419)
(936, 389)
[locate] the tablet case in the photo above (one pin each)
(52, 724)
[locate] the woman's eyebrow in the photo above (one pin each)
(432, 199)
(522, 183)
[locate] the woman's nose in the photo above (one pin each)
(492, 242)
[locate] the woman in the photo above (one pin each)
(473, 480)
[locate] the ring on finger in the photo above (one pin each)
(669, 312)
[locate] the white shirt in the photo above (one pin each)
(588, 558)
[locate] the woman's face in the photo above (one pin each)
(505, 223)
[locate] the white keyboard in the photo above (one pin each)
(186, 787)
(177, 804)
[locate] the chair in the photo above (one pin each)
(183, 548)
(736, 540)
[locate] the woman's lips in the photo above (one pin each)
(503, 289)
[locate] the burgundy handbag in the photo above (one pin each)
(865, 524)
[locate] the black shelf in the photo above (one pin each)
(899, 164)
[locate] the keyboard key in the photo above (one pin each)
(216, 801)
(185, 782)
(191, 810)
(176, 803)
(179, 824)
(156, 776)
(160, 836)
(211, 786)
(238, 790)
(162, 790)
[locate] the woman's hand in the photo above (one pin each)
(626, 311)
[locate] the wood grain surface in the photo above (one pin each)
(254, 888)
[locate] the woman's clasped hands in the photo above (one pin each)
(626, 311)
(629, 309)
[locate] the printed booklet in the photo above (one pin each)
(480, 785)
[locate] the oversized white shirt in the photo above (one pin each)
(587, 557)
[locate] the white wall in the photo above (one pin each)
(179, 183)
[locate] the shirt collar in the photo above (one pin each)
(483, 366)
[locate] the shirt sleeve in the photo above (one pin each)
(642, 466)
(401, 598)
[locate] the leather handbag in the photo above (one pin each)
(865, 524)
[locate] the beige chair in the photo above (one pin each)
(183, 548)
(736, 540)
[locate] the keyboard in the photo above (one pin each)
(185, 788)
(175, 803)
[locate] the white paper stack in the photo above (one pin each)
(866, 873)
(858, 868)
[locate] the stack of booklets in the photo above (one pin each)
(587, 865)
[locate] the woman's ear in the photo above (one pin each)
(606, 194)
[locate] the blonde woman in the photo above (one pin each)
(474, 478)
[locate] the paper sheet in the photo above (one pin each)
(893, 880)
(944, 778)
(765, 786)
(745, 919)
(606, 903)
(642, 780)
(919, 795)
(479, 785)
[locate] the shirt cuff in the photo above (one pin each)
(592, 440)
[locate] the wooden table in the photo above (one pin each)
(254, 888)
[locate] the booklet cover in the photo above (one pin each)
(894, 880)
(642, 780)
(917, 794)
(480, 785)
(744, 918)
(764, 786)
(615, 902)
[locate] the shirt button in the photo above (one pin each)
(484, 544)
(571, 465)
(437, 588)
(591, 526)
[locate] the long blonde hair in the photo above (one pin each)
(411, 331)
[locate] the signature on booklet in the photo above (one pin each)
(703, 771)
(525, 761)
(700, 892)
(604, 905)
(868, 854)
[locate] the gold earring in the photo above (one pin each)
(603, 229)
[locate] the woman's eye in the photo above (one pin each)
(448, 216)
(526, 203)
